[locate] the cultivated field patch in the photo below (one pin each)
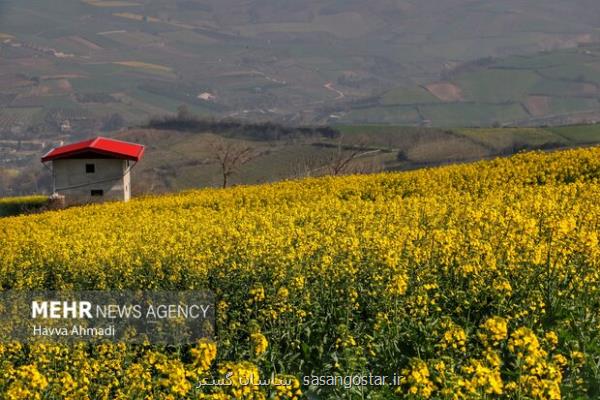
(136, 17)
(144, 66)
(472, 114)
(581, 134)
(538, 105)
(408, 95)
(492, 85)
(85, 42)
(448, 149)
(344, 25)
(508, 140)
(445, 91)
(110, 3)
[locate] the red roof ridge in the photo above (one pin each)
(99, 145)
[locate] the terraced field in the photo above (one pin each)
(555, 87)
(390, 62)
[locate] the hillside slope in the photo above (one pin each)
(83, 61)
(548, 88)
(177, 160)
(478, 279)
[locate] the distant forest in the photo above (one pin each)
(184, 121)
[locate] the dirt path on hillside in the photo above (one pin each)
(329, 86)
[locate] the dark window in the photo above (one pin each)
(90, 168)
(97, 192)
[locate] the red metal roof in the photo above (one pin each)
(99, 146)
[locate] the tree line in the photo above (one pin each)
(263, 131)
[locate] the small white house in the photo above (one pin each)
(93, 170)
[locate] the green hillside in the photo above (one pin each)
(86, 60)
(177, 160)
(554, 87)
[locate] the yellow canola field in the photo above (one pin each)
(477, 281)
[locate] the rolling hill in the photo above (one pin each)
(179, 160)
(397, 62)
(546, 88)
(477, 280)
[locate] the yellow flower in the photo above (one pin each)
(204, 353)
(551, 338)
(257, 293)
(259, 343)
(417, 379)
(398, 286)
(287, 388)
(495, 328)
(455, 338)
(578, 357)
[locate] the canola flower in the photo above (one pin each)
(476, 281)
(259, 343)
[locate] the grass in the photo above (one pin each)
(10, 206)
(393, 114)
(408, 95)
(544, 60)
(579, 134)
(145, 66)
(360, 129)
(446, 149)
(188, 38)
(133, 39)
(574, 72)
(490, 85)
(433, 145)
(497, 139)
(104, 78)
(550, 87)
(565, 105)
(388, 137)
(155, 100)
(503, 139)
(474, 114)
(346, 25)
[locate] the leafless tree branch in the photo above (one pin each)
(231, 156)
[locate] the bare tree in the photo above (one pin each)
(370, 165)
(342, 160)
(231, 156)
(306, 166)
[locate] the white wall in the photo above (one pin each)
(111, 176)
